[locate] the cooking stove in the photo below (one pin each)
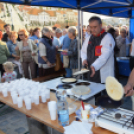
(117, 120)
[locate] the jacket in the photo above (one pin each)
(33, 48)
(4, 52)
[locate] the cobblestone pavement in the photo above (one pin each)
(14, 122)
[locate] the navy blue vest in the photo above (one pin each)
(50, 50)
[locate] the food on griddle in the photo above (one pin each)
(114, 89)
(81, 90)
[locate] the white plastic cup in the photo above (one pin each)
(4, 92)
(52, 105)
(28, 103)
(53, 114)
(47, 92)
(85, 114)
(36, 99)
(14, 98)
(20, 102)
(43, 98)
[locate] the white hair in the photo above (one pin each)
(46, 30)
(123, 30)
(72, 30)
(58, 30)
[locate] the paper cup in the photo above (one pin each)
(53, 114)
(43, 98)
(28, 103)
(36, 99)
(4, 92)
(52, 105)
(14, 98)
(47, 94)
(85, 114)
(20, 102)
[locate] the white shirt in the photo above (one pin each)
(132, 52)
(86, 35)
(105, 62)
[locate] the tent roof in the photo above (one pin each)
(119, 8)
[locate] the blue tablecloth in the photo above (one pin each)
(123, 66)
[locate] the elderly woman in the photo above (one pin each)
(72, 52)
(47, 53)
(27, 50)
(12, 44)
(4, 53)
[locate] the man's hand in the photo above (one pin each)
(36, 41)
(129, 90)
(49, 64)
(93, 71)
(85, 63)
(66, 50)
(17, 58)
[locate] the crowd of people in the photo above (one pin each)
(44, 51)
(36, 54)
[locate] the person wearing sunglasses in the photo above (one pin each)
(27, 50)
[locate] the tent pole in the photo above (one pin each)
(79, 38)
(81, 27)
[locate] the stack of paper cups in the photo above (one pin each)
(28, 103)
(52, 109)
(20, 102)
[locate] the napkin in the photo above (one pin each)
(77, 127)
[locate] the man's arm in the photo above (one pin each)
(130, 84)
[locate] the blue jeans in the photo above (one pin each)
(68, 70)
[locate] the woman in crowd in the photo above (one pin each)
(72, 51)
(47, 53)
(27, 50)
(4, 53)
(36, 36)
(11, 46)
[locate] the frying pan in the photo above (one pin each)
(82, 83)
(107, 102)
(64, 86)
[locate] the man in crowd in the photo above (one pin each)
(63, 35)
(98, 52)
(123, 43)
(116, 32)
(56, 40)
(7, 28)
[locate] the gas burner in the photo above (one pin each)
(64, 86)
(117, 116)
(82, 83)
(133, 120)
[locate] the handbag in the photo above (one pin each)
(65, 61)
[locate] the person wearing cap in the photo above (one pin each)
(97, 52)
(4, 53)
(7, 28)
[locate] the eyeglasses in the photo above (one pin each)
(21, 34)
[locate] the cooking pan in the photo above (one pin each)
(107, 102)
(64, 86)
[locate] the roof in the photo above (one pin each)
(61, 12)
(2, 23)
(34, 11)
(51, 13)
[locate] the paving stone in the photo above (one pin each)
(15, 118)
(4, 123)
(20, 130)
(2, 118)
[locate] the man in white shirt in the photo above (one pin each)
(56, 40)
(98, 52)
